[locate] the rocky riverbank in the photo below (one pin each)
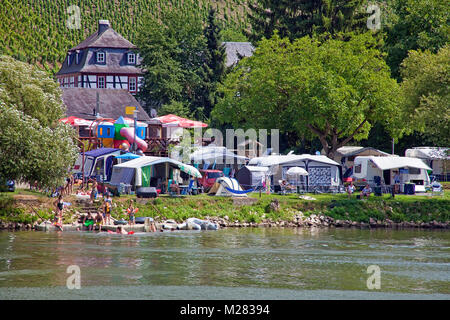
(337, 211)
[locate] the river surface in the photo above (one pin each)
(260, 263)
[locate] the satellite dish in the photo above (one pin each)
(153, 113)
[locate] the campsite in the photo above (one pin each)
(231, 149)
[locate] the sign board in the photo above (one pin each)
(129, 110)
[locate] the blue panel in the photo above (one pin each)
(141, 132)
(105, 131)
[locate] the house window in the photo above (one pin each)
(100, 57)
(132, 84)
(77, 57)
(68, 59)
(72, 82)
(131, 58)
(100, 82)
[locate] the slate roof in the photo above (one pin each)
(81, 102)
(236, 49)
(106, 39)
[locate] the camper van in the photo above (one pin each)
(97, 163)
(382, 171)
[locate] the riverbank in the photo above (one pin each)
(25, 209)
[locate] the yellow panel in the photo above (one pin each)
(108, 142)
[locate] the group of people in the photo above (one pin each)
(365, 192)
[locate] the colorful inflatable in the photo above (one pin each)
(120, 135)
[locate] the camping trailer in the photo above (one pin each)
(381, 171)
(97, 163)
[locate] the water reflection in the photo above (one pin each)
(412, 261)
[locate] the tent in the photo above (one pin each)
(251, 176)
(381, 170)
(227, 187)
(436, 158)
(216, 154)
(146, 169)
(97, 162)
(322, 171)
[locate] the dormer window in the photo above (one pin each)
(68, 59)
(100, 57)
(131, 58)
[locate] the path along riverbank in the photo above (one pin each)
(27, 210)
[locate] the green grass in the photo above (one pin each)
(338, 206)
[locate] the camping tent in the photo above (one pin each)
(251, 176)
(145, 168)
(322, 171)
(227, 187)
(216, 154)
(436, 158)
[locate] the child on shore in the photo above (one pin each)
(131, 211)
(107, 209)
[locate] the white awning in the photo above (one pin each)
(387, 163)
(274, 160)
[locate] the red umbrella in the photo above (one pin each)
(181, 122)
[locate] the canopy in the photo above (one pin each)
(297, 171)
(214, 153)
(181, 122)
(428, 153)
(128, 156)
(130, 122)
(387, 163)
(145, 161)
(274, 160)
(75, 121)
(100, 152)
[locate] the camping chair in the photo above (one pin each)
(436, 189)
(188, 190)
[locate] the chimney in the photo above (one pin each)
(103, 25)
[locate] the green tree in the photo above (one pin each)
(35, 146)
(426, 82)
(214, 67)
(414, 25)
(334, 90)
(173, 54)
(294, 19)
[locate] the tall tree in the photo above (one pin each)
(294, 19)
(173, 54)
(414, 25)
(334, 90)
(426, 82)
(214, 68)
(35, 146)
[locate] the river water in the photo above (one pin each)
(248, 263)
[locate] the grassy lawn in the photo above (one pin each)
(422, 208)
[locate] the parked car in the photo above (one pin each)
(209, 178)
